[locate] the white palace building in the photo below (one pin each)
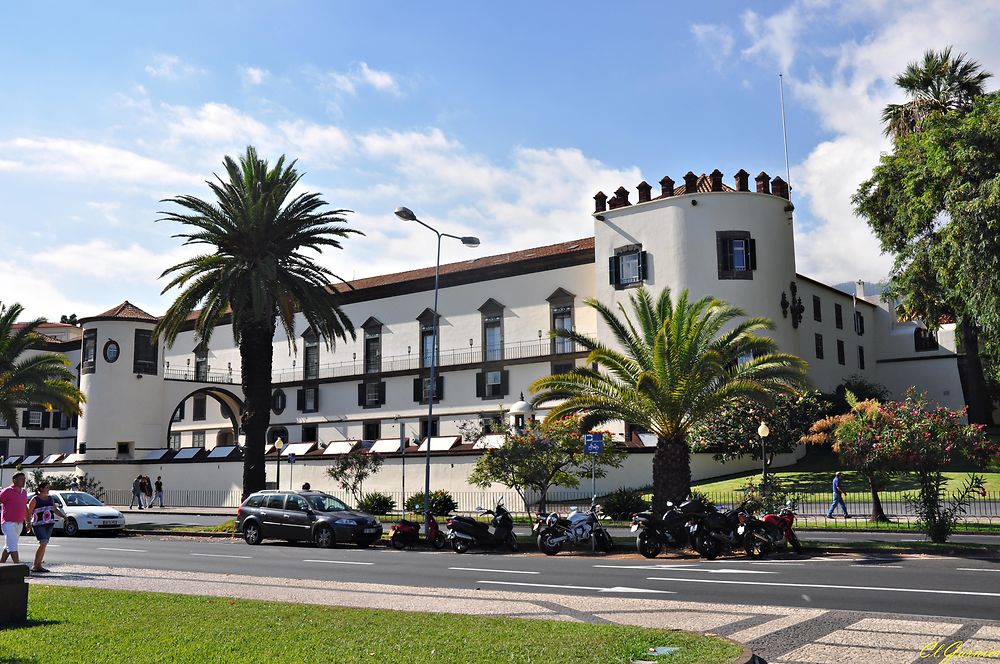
(174, 411)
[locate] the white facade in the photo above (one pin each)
(736, 245)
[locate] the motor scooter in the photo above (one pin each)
(465, 532)
(407, 533)
(770, 532)
(577, 528)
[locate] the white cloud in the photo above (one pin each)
(122, 263)
(315, 143)
(215, 123)
(716, 41)
(171, 67)
(349, 81)
(774, 36)
(40, 294)
(254, 75)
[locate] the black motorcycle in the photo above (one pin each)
(577, 528)
(670, 531)
(465, 532)
(713, 532)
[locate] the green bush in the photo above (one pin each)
(376, 503)
(703, 497)
(767, 498)
(441, 503)
(622, 503)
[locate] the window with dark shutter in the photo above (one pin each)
(145, 353)
(628, 267)
(300, 400)
(310, 355)
(46, 419)
(422, 389)
(924, 340)
(371, 394)
(861, 357)
(819, 346)
(817, 309)
(88, 362)
(736, 254)
(859, 323)
(34, 447)
(373, 345)
(372, 430)
(310, 433)
(840, 352)
(838, 316)
(201, 362)
(178, 413)
(310, 400)
(198, 408)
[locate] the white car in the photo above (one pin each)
(85, 512)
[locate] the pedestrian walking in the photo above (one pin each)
(838, 497)
(306, 487)
(158, 486)
(147, 490)
(74, 485)
(136, 492)
(13, 516)
(41, 509)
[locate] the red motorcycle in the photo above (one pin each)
(407, 533)
(770, 532)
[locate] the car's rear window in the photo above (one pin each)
(276, 501)
(254, 501)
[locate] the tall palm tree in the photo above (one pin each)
(942, 82)
(679, 362)
(256, 273)
(27, 378)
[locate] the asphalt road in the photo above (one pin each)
(918, 586)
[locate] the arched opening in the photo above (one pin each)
(230, 407)
(274, 433)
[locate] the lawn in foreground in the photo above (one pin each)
(91, 625)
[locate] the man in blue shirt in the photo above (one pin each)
(838, 497)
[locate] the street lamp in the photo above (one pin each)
(763, 432)
(406, 214)
(278, 444)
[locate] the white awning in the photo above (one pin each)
(52, 458)
(387, 446)
(73, 458)
(440, 444)
(648, 439)
(490, 440)
(298, 449)
(340, 447)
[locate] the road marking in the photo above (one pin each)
(501, 571)
(835, 587)
(782, 564)
(976, 569)
(912, 540)
(108, 548)
(824, 539)
(616, 589)
(644, 566)
(879, 566)
(338, 562)
(218, 555)
(690, 568)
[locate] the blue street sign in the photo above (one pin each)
(593, 443)
(291, 458)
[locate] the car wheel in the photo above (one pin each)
(397, 543)
(251, 533)
(439, 541)
(71, 528)
(324, 537)
(460, 545)
(647, 544)
(545, 544)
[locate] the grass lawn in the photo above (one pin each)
(814, 474)
(89, 625)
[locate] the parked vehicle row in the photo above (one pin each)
(324, 520)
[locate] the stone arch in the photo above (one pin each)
(230, 404)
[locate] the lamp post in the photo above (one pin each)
(406, 214)
(278, 444)
(763, 432)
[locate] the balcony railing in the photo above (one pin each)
(518, 350)
(226, 377)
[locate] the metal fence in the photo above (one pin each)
(182, 498)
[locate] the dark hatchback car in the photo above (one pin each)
(304, 515)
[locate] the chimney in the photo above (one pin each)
(859, 289)
(690, 183)
(621, 193)
(763, 181)
(666, 186)
(742, 180)
(644, 191)
(716, 176)
(600, 202)
(779, 187)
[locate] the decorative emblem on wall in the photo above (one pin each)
(795, 305)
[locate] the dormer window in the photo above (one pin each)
(310, 355)
(627, 268)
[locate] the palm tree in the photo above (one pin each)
(941, 83)
(31, 378)
(680, 361)
(256, 274)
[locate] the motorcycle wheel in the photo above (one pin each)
(796, 544)
(512, 542)
(647, 544)
(755, 547)
(459, 545)
(397, 543)
(707, 547)
(439, 541)
(545, 544)
(604, 541)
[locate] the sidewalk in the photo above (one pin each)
(779, 634)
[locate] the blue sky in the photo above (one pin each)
(500, 120)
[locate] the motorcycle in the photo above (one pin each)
(577, 528)
(670, 531)
(711, 533)
(464, 531)
(407, 533)
(770, 532)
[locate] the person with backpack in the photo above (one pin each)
(43, 511)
